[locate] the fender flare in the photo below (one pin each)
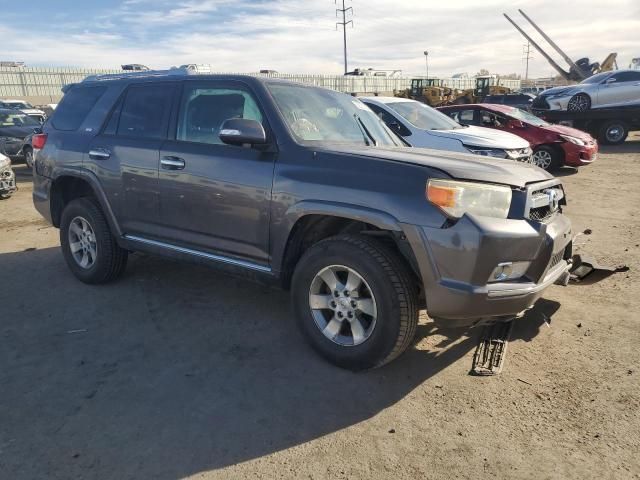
(295, 212)
(98, 192)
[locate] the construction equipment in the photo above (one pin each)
(578, 70)
(431, 91)
(485, 85)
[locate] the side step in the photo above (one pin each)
(492, 349)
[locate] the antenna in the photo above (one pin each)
(344, 24)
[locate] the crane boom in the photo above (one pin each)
(563, 73)
(556, 47)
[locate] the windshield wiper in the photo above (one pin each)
(365, 132)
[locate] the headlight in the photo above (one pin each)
(487, 152)
(574, 140)
(4, 162)
(456, 198)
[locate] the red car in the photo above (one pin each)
(553, 145)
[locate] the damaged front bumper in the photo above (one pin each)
(7, 181)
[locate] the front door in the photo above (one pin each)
(625, 90)
(125, 155)
(215, 197)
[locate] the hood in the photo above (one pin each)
(566, 90)
(19, 132)
(463, 166)
(483, 137)
(574, 132)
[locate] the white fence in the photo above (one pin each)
(46, 83)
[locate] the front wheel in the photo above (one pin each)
(580, 102)
(89, 248)
(546, 157)
(355, 301)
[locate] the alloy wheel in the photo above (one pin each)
(342, 305)
(578, 103)
(542, 159)
(82, 242)
(614, 133)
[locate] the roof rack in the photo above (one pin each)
(140, 74)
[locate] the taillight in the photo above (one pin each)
(38, 140)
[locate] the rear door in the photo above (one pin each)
(215, 197)
(125, 155)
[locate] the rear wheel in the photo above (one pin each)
(355, 302)
(28, 157)
(613, 132)
(89, 248)
(546, 157)
(580, 102)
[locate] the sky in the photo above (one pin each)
(300, 36)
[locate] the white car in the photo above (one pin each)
(422, 126)
(619, 88)
(24, 107)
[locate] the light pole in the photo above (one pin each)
(426, 57)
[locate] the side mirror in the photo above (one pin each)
(610, 80)
(242, 131)
(516, 124)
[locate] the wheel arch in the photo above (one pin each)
(311, 221)
(69, 185)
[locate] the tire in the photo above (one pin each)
(547, 157)
(613, 132)
(28, 158)
(580, 102)
(106, 261)
(385, 276)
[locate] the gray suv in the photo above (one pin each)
(304, 188)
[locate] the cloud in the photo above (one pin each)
(294, 36)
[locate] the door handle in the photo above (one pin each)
(99, 153)
(172, 163)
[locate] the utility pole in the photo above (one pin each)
(344, 24)
(526, 55)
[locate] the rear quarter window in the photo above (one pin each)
(75, 106)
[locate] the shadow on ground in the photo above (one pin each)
(174, 370)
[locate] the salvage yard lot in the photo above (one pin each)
(178, 371)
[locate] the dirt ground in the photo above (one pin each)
(178, 371)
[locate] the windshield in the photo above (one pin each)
(17, 120)
(319, 115)
(596, 78)
(424, 117)
(527, 117)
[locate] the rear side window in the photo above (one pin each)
(145, 111)
(75, 106)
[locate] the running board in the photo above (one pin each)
(198, 253)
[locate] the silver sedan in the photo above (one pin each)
(608, 89)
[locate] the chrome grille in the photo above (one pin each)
(544, 203)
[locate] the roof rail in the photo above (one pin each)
(143, 74)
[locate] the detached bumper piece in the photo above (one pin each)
(492, 349)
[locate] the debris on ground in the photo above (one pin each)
(585, 270)
(492, 349)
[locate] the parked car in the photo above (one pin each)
(422, 126)
(16, 131)
(302, 187)
(26, 108)
(604, 90)
(517, 100)
(553, 145)
(7, 177)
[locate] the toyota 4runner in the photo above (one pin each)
(300, 186)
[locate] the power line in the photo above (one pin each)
(526, 56)
(344, 24)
